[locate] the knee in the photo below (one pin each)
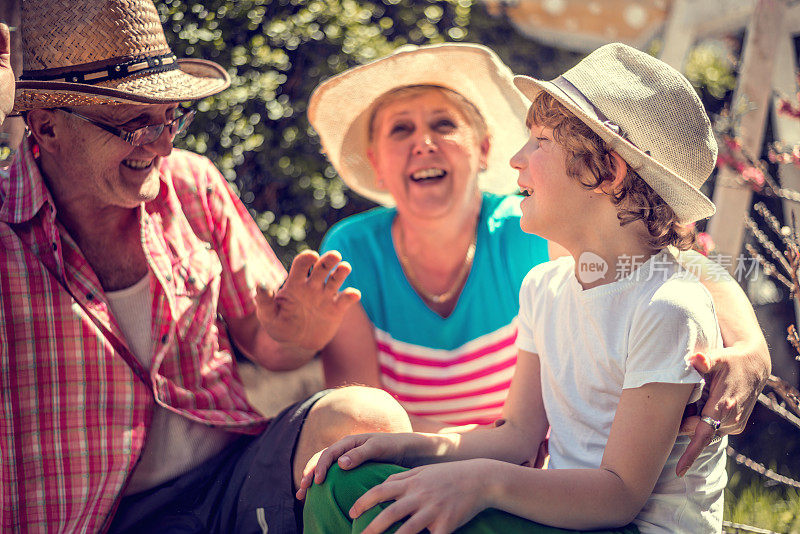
(360, 409)
(336, 488)
(342, 488)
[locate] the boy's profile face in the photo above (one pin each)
(553, 201)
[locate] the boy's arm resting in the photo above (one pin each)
(739, 370)
(642, 435)
(443, 496)
(516, 441)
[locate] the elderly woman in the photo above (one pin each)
(428, 133)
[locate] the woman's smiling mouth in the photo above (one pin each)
(423, 175)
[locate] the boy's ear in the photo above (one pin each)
(619, 171)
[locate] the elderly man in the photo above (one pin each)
(126, 267)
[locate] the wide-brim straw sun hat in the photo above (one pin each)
(340, 108)
(88, 52)
(647, 112)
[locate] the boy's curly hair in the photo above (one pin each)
(635, 199)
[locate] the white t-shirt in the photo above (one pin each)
(594, 343)
(174, 444)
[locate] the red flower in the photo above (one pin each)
(704, 244)
(733, 144)
(755, 176)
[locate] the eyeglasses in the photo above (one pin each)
(146, 134)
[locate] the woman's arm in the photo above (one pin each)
(352, 355)
(738, 371)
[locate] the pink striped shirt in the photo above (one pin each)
(75, 403)
(465, 385)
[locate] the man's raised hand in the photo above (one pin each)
(307, 310)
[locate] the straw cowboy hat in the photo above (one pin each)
(104, 52)
(647, 112)
(340, 107)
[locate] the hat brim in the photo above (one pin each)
(339, 109)
(192, 80)
(686, 200)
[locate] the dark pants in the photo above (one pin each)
(246, 488)
(327, 507)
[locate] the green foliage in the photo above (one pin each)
(276, 52)
(776, 509)
(711, 68)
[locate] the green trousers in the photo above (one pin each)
(327, 504)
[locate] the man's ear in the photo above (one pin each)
(42, 124)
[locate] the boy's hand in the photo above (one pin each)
(6, 74)
(352, 451)
(438, 497)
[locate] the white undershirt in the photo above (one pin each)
(174, 444)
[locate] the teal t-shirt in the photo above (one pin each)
(435, 365)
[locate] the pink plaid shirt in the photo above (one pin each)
(75, 403)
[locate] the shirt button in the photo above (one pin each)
(190, 280)
(89, 296)
(164, 339)
(168, 278)
(55, 246)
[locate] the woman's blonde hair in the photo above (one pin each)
(586, 151)
(470, 112)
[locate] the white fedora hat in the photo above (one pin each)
(339, 108)
(647, 112)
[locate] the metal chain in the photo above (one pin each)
(736, 528)
(741, 459)
(773, 405)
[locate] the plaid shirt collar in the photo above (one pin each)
(23, 187)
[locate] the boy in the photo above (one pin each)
(618, 148)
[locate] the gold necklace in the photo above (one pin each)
(457, 284)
